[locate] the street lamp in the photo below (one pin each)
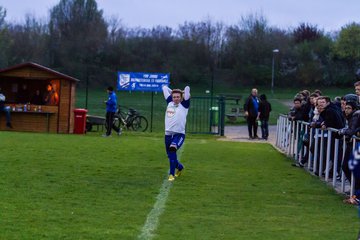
(273, 66)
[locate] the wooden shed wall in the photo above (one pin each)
(61, 119)
(64, 102)
(32, 121)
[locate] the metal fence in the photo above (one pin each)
(206, 115)
(322, 149)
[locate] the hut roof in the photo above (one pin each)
(39, 67)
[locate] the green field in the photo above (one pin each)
(88, 187)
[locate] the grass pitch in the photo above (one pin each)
(88, 187)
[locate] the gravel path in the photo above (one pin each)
(240, 134)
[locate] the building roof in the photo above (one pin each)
(39, 67)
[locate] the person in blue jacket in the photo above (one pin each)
(251, 108)
(111, 107)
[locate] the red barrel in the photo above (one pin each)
(80, 120)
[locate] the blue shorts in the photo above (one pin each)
(175, 139)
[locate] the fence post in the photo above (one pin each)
(336, 158)
(277, 135)
(327, 166)
(352, 185)
(321, 154)
(311, 140)
(316, 152)
(342, 172)
(222, 115)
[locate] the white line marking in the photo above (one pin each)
(152, 220)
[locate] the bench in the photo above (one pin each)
(97, 121)
(235, 113)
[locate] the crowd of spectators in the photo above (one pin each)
(321, 112)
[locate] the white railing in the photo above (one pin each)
(288, 139)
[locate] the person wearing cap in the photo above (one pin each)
(353, 118)
(178, 103)
(111, 107)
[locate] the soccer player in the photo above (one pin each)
(175, 121)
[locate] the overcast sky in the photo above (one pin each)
(329, 15)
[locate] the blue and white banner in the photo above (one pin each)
(148, 82)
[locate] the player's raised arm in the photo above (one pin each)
(166, 91)
(187, 93)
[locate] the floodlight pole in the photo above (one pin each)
(273, 72)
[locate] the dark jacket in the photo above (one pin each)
(333, 117)
(249, 106)
(353, 123)
(299, 114)
(264, 109)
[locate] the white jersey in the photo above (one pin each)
(175, 115)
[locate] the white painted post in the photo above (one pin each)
(336, 158)
(328, 155)
(321, 154)
(316, 149)
(311, 139)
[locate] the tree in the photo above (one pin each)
(248, 51)
(347, 45)
(29, 41)
(306, 32)
(203, 45)
(4, 40)
(78, 33)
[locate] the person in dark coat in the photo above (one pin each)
(251, 109)
(332, 118)
(264, 109)
(353, 118)
(298, 113)
(331, 114)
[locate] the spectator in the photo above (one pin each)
(264, 110)
(251, 109)
(37, 98)
(306, 101)
(343, 104)
(52, 97)
(312, 101)
(5, 109)
(357, 90)
(332, 118)
(313, 118)
(337, 101)
(331, 114)
(23, 94)
(297, 113)
(318, 92)
(353, 118)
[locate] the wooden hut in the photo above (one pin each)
(40, 99)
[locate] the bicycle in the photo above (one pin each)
(131, 119)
